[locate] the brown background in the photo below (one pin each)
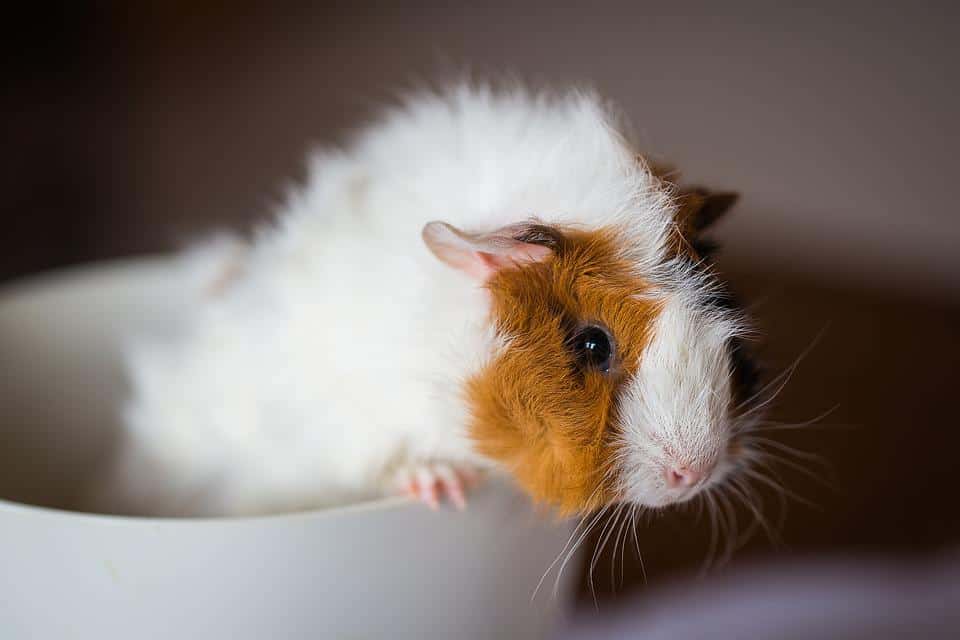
(128, 130)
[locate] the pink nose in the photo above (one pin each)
(682, 477)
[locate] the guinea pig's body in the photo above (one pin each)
(334, 352)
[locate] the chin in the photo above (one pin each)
(653, 499)
(664, 498)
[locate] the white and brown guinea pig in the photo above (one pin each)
(483, 279)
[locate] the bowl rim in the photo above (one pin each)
(54, 276)
(390, 503)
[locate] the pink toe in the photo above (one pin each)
(429, 497)
(428, 489)
(453, 487)
(457, 497)
(411, 489)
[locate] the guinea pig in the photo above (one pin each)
(484, 279)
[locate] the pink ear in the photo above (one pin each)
(481, 255)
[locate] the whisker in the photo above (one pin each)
(797, 467)
(565, 546)
(783, 508)
(573, 549)
(708, 560)
(745, 495)
(598, 550)
(776, 444)
(770, 425)
(557, 559)
(623, 545)
(762, 459)
(613, 556)
(738, 496)
(633, 525)
(724, 531)
(779, 487)
(700, 509)
(732, 527)
(780, 380)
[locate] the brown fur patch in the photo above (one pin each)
(534, 409)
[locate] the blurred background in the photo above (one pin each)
(130, 128)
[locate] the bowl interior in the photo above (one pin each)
(61, 379)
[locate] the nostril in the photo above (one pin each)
(682, 477)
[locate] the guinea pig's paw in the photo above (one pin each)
(431, 482)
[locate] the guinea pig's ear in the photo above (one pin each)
(482, 255)
(700, 208)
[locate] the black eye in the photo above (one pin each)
(593, 348)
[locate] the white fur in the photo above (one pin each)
(337, 355)
(675, 412)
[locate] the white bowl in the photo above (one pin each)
(384, 569)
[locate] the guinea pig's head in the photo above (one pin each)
(611, 380)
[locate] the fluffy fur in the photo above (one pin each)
(334, 349)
